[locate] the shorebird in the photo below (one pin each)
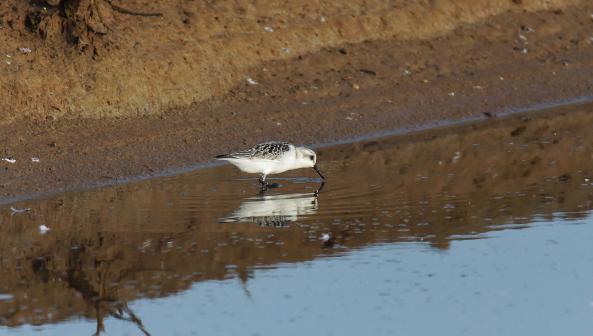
(272, 157)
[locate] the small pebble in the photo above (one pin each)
(43, 229)
(251, 81)
(527, 29)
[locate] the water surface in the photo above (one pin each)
(482, 229)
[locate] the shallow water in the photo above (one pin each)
(482, 229)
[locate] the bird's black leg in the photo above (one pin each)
(265, 185)
(262, 180)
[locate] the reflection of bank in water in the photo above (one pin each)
(274, 210)
(158, 238)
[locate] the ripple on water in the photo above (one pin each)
(400, 218)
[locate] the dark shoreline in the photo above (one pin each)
(436, 126)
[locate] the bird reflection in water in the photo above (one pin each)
(274, 210)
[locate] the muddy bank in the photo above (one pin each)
(97, 58)
(476, 70)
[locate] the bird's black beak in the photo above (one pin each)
(316, 193)
(318, 172)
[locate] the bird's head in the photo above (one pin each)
(307, 158)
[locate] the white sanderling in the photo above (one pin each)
(272, 157)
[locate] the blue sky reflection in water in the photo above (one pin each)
(520, 282)
(515, 282)
(479, 230)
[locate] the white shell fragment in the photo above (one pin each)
(16, 210)
(43, 229)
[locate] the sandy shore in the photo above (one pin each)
(503, 63)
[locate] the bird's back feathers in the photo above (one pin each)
(266, 151)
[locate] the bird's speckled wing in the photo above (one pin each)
(266, 151)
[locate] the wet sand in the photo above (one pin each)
(508, 63)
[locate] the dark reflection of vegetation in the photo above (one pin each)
(118, 311)
(104, 299)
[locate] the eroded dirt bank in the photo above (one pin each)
(97, 58)
(321, 76)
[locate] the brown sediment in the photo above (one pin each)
(105, 248)
(97, 58)
(354, 78)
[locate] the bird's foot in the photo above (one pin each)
(267, 186)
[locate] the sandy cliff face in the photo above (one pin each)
(96, 58)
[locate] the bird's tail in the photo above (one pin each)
(223, 156)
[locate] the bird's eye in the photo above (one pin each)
(312, 157)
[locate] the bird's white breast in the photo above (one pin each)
(264, 166)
